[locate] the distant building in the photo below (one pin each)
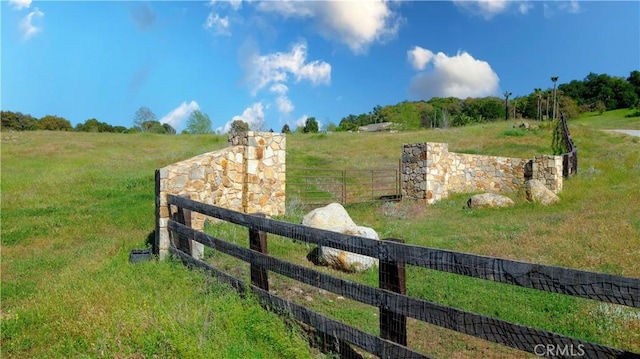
(375, 127)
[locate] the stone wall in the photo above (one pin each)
(431, 172)
(248, 176)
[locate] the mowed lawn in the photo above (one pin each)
(75, 204)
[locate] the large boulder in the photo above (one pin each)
(489, 200)
(334, 217)
(537, 192)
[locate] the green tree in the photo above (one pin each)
(54, 123)
(634, 80)
(153, 127)
(17, 121)
(238, 126)
(285, 128)
(144, 114)
(310, 125)
(168, 129)
(199, 123)
(93, 125)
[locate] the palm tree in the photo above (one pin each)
(506, 105)
(554, 79)
(538, 92)
(547, 95)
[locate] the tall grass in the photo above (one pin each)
(595, 227)
(73, 206)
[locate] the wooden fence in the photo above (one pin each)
(313, 186)
(390, 297)
(569, 159)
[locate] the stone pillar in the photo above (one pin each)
(265, 173)
(437, 172)
(248, 176)
(548, 169)
(414, 170)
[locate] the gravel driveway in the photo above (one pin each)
(627, 132)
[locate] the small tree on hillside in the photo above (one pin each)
(199, 123)
(54, 123)
(310, 125)
(144, 114)
(285, 128)
(239, 126)
(153, 127)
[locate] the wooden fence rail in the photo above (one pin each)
(390, 298)
(569, 159)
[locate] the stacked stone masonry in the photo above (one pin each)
(248, 176)
(431, 172)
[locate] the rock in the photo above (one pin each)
(334, 217)
(489, 200)
(537, 192)
(330, 216)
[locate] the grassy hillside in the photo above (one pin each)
(75, 204)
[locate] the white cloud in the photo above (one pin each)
(279, 89)
(235, 4)
(485, 8)
(285, 105)
(301, 121)
(357, 24)
(253, 116)
(524, 7)
(419, 57)
(219, 25)
(550, 9)
(20, 4)
(459, 76)
(573, 7)
(178, 115)
(27, 24)
(276, 68)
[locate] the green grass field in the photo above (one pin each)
(75, 204)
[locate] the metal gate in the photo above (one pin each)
(314, 186)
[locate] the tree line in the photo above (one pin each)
(597, 92)
(144, 120)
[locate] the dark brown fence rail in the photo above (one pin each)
(569, 159)
(314, 186)
(389, 297)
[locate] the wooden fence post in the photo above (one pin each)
(393, 326)
(182, 216)
(258, 242)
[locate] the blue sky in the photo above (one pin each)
(275, 62)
